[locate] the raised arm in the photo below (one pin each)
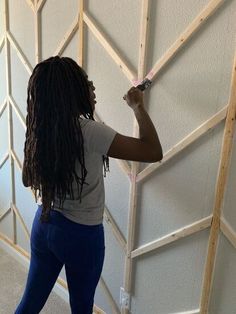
(146, 148)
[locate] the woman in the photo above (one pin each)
(64, 154)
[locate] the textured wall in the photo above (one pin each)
(189, 90)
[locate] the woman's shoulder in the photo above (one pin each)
(89, 123)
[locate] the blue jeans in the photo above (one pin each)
(59, 242)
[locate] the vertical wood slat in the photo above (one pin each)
(10, 128)
(135, 165)
(37, 29)
(219, 194)
(81, 33)
(143, 38)
(38, 6)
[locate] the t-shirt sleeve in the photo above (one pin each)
(98, 137)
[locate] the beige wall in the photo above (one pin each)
(192, 87)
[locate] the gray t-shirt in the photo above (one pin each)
(97, 140)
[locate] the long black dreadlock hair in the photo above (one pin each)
(57, 95)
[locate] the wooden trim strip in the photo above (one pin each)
(197, 311)
(16, 211)
(210, 8)
(67, 37)
(2, 42)
(108, 47)
(3, 107)
(7, 240)
(112, 302)
(18, 112)
(5, 213)
(16, 159)
(97, 310)
(219, 194)
(228, 231)
(30, 4)
(185, 142)
(40, 5)
(173, 236)
(143, 38)
(3, 160)
(37, 31)
(128, 275)
(81, 33)
(125, 167)
(19, 52)
(115, 229)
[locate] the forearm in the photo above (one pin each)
(147, 131)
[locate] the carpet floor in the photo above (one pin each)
(12, 283)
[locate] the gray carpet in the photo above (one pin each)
(12, 283)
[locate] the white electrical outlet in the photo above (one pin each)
(124, 299)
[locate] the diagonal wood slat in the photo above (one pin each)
(16, 159)
(185, 142)
(212, 6)
(5, 213)
(20, 53)
(116, 230)
(30, 4)
(112, 302)
(18, 215)
(3, 160)
(197, 311)
(40, 5)
(3, 107)
(173, 236)
(228, 231)
(18, 112)
(108, 47)
(2, 42)
(67, 37)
